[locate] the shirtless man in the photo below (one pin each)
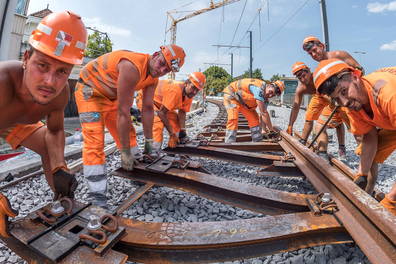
(315, 108)
(37, 89)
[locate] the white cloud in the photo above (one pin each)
(377, 7)
(389, 46)
(96, 22)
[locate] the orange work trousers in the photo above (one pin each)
(386, 145)
(158, 126)
(233, 108)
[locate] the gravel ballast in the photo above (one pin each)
(163, 204)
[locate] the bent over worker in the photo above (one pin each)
(171, 96)
(371, 103)
(104, 96)
(244, 96)
(314, 110)
(37, 89)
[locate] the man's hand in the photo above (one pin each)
(173, 141)
(290, 130)
(64, 183)
(127, 160)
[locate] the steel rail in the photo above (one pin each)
(370, 224)
(229, 240)
(256, 198)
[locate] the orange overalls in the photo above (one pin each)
(98, 109)
(169, 94)
(16, 134)
(247, 107)
(338, 118)
(380, 87)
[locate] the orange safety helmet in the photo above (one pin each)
(174, 56)
(61, 35)
(280, 85)
(198, 79)
(299, 66)
(309, 39)
(328, 68)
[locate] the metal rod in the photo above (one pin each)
(324, 126)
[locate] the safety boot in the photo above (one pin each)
(256, 134)
(5, 212)
(230, 136)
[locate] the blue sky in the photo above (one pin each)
(357, 26)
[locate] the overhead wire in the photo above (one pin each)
(239, 22)
(283, 25)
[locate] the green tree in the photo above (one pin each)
(256, 74)
(275, 77)
(98, 44)
(216, 80)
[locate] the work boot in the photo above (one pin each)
(230, 136)
(98, 199)
(324, 155)
(342, 153)
(256, 134)
(361, 181)
(5, 212)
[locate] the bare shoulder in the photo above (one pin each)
(11, 74)
(339, 54)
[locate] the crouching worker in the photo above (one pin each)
(37, 89)
(104, 97)
(371, 103)
(244, 96)
(172, 100)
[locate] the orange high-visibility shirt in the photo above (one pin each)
(103, 72)
(381, 89)
(169, 93)
(243, 86)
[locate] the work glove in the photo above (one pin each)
(290, 130)
(148, 146)
(5, 212)
(127, 160)
(273, 134)
(361, 180)
(173, 141)
(183, 138)
(64, 183)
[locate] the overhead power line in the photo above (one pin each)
(240, 18)
(283, 25)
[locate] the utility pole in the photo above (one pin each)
(232, 65)
(324, 24)
(251, 55)
(232, 55)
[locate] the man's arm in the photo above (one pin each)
(264, 114)
(148, 111)
(162, 114)
(369, 149)
(127, 79)
(181, 114)
(345, 56)
(55, 139)
(296, 106)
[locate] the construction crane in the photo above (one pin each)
(174, 21)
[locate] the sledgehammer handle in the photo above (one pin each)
(324, 126)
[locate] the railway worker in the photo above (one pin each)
(315, 108)
(37, 89)
(317, 50)
(171, 96)
(371, 103)
(104, 96)
(244, 96)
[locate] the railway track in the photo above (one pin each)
(341, 213)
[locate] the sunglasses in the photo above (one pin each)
(300, 73)
(309, 45)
